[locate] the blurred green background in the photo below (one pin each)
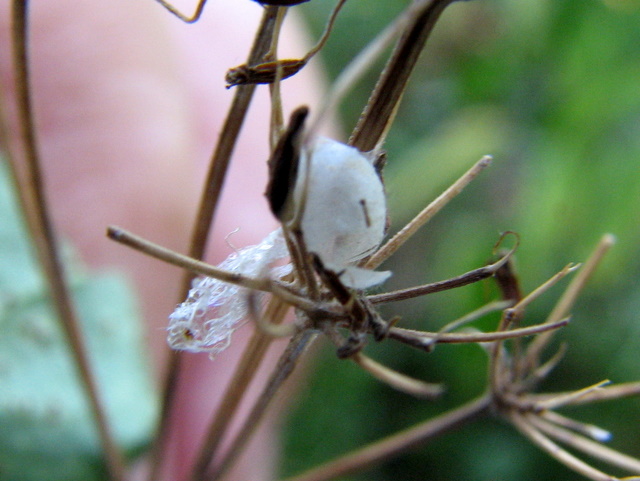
(552, 90)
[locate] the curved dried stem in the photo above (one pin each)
(530, 379)
(397, 380)
(185, 18)
(267, 325)
(32, 193)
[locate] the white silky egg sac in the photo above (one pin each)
(344, 208)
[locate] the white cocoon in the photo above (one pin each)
(343, 206)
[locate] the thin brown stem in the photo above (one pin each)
(426, 340)
(555, 451)
(556, 402)
(146, 247)
(244, 373)
(396, 444)
(476, 314)
(608, 393)
(426, 214)
(594, 432)
(185, 18)
(397, 380)
(587, 446)
(286, 364)
(359, 65)
(42, 232)
(569, 297)
(208, 205)
(264, 284)
(458, 281)
(384, 100)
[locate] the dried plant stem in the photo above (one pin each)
(263, 284)
(358, 66)
(276, 126)
(42, 232)
(166, 255)
(556, 402)
(476, 314)
(383, 102)
(607, 393)
(187, 19)
(569, 297)
(397, 380)
(286, 364)
(587, 446)
(244, 373)
(426, 214)
(516, 311)
(594, 432)
(555, 451)
(503, 371)
(206, 212)
(426, 340)
(398, 443)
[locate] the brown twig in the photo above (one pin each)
(391, 446)
(283, 292)
(212, 188)
(384, 100)
(569, 297)
(426, 214)
(458, 281)
(243, 375)
(426, 340)
(536, 437)
(42, 232)
(286, 364)
(608, 393)
(185, 18)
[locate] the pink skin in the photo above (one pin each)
(129, 102)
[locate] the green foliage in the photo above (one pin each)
(552, 90)
(46, 426)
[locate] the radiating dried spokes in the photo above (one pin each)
(324, 303)
(513, 377)
(516, 372)
(332, 224)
